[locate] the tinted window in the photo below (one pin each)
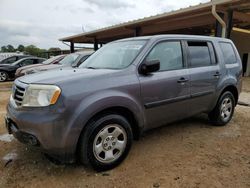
(228, 53)
(39, 60)
(69, 59)
(27, 62)
(77, 63)
(9, 60)
(51, 60)
(169, 54)
(20, 57)
(199, 54)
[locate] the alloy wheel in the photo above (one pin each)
(110, 143)
(226, 109)
(3, 76)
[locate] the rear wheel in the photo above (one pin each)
(3, 76)
(224, 110)
(105, 142)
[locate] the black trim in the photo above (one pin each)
(200, 94)
(166, 101)
(177, 99)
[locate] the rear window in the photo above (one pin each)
(228, 53)
(199, 54)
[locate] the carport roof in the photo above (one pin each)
(194, 19)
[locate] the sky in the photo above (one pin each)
(43, 22)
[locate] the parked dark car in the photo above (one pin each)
(12, 59)
(7, 71)
(128, 86)
(71, 60)
(29, 68)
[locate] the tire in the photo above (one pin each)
(105, 142)
(224, 109)
(3, 76)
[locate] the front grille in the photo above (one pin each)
(18, 94)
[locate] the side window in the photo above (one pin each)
(26, 62)
(169, 54)
(80, 61)
(9, 60)
(83, 59)
(40, 60)
(199, 54)
(228, 53)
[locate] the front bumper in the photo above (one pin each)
(42, 127)
(23, 137)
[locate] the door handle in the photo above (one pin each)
(182, 80)
(217, 74)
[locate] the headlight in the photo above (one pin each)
(41, 95)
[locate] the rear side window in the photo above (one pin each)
(40, 60)
(9, 60)
(199, 54)
(27, 62)
(169, 54)
(228, 53)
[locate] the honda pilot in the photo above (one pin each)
(93, 113)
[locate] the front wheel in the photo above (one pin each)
(224, 110)
(105, 142)
(3, 76)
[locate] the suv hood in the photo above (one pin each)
(63, 75)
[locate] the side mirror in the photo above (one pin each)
(149, 66)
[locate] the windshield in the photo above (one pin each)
(69, 59)
(117, 55)
(50, 60)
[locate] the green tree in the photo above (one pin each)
(10, 48)
(20, 48)
(54, 49)
(32, 50)
(4, 49)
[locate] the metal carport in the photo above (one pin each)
(221, 18)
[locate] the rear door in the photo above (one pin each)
(204, 75)
(165, 94)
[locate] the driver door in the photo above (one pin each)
(166, 93)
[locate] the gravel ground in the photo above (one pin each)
(190, 153)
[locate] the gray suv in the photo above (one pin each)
(93, 113)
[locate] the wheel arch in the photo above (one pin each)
(233, 89)
(123, 111)
(89, 109)
(120, 110)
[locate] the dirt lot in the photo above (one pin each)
(191, 153)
